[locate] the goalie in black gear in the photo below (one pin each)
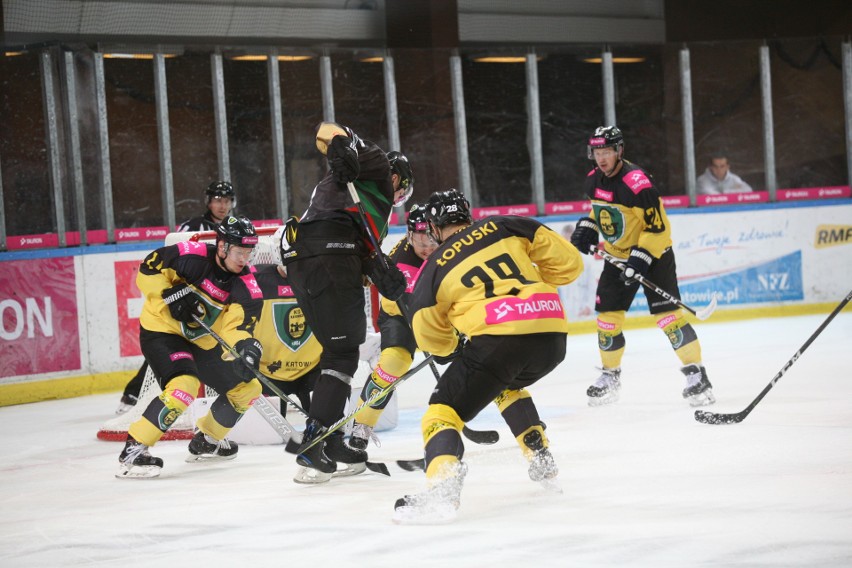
(496, 280)
(327, 254)
(215, 284)
(629, 216)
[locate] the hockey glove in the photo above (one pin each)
(389, 281)
(638, 264)
(585, 235)
(249, 350)
(343, 159)
(183, 303)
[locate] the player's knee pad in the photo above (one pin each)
(393, 363)
(243, 395)
(165, 409)
(227, 409)
(611, 340)
(681, 335)
(518, 410)
(441, 427)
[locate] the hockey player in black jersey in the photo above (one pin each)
(216, 284)
(494, 283)
(397, 341)
(327, 254)
(628, 215)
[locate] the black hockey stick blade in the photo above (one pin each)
(715, 418)
(378, 467)
(412, 465)
(482, 437)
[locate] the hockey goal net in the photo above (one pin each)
(266, 252)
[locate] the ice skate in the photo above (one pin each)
(316, 466)
(127, 402)
(350, 460)
(543, 468)
(135, 462)
(606, 388)
(207, 448)
(438, 504)
(361, 436)
(698, 391)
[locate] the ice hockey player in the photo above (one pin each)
(327, 254)
(494, 283)
(214, 283)
(628, 214)
(221, 199)
(397, 341)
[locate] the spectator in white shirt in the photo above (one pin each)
(718, 178)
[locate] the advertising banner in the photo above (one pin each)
(38, 304)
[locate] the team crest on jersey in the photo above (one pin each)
(210, 313)
(610, 222)
(290, 325)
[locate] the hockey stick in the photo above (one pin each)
(260, 376)
(377, 394)
(701, 314)
(717, 418)
(485, 437)
(481, 437)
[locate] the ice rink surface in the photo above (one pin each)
(644, 484)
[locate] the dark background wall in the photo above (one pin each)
(708, 20)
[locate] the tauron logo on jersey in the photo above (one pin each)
(610, 222)
(537, 306)
(637, 181)
(290, 325)
(602, 194)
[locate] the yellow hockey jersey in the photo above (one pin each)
(290, 349)
(628, 211)
(497, 276)
(231, 302)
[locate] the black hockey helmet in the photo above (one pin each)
(220, 189)
(236, 231)
(448, 208)
(417, 219)
(606, 137)
(400, 166)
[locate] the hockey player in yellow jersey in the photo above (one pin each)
(628, 215)
(397, 341)
(486, 300)
(291, 352)
(215, 284)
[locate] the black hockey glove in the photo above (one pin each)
(638, 263)
(389, 280)
(343, 159)
(585, 235)
(249, 350)
(183, 303)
